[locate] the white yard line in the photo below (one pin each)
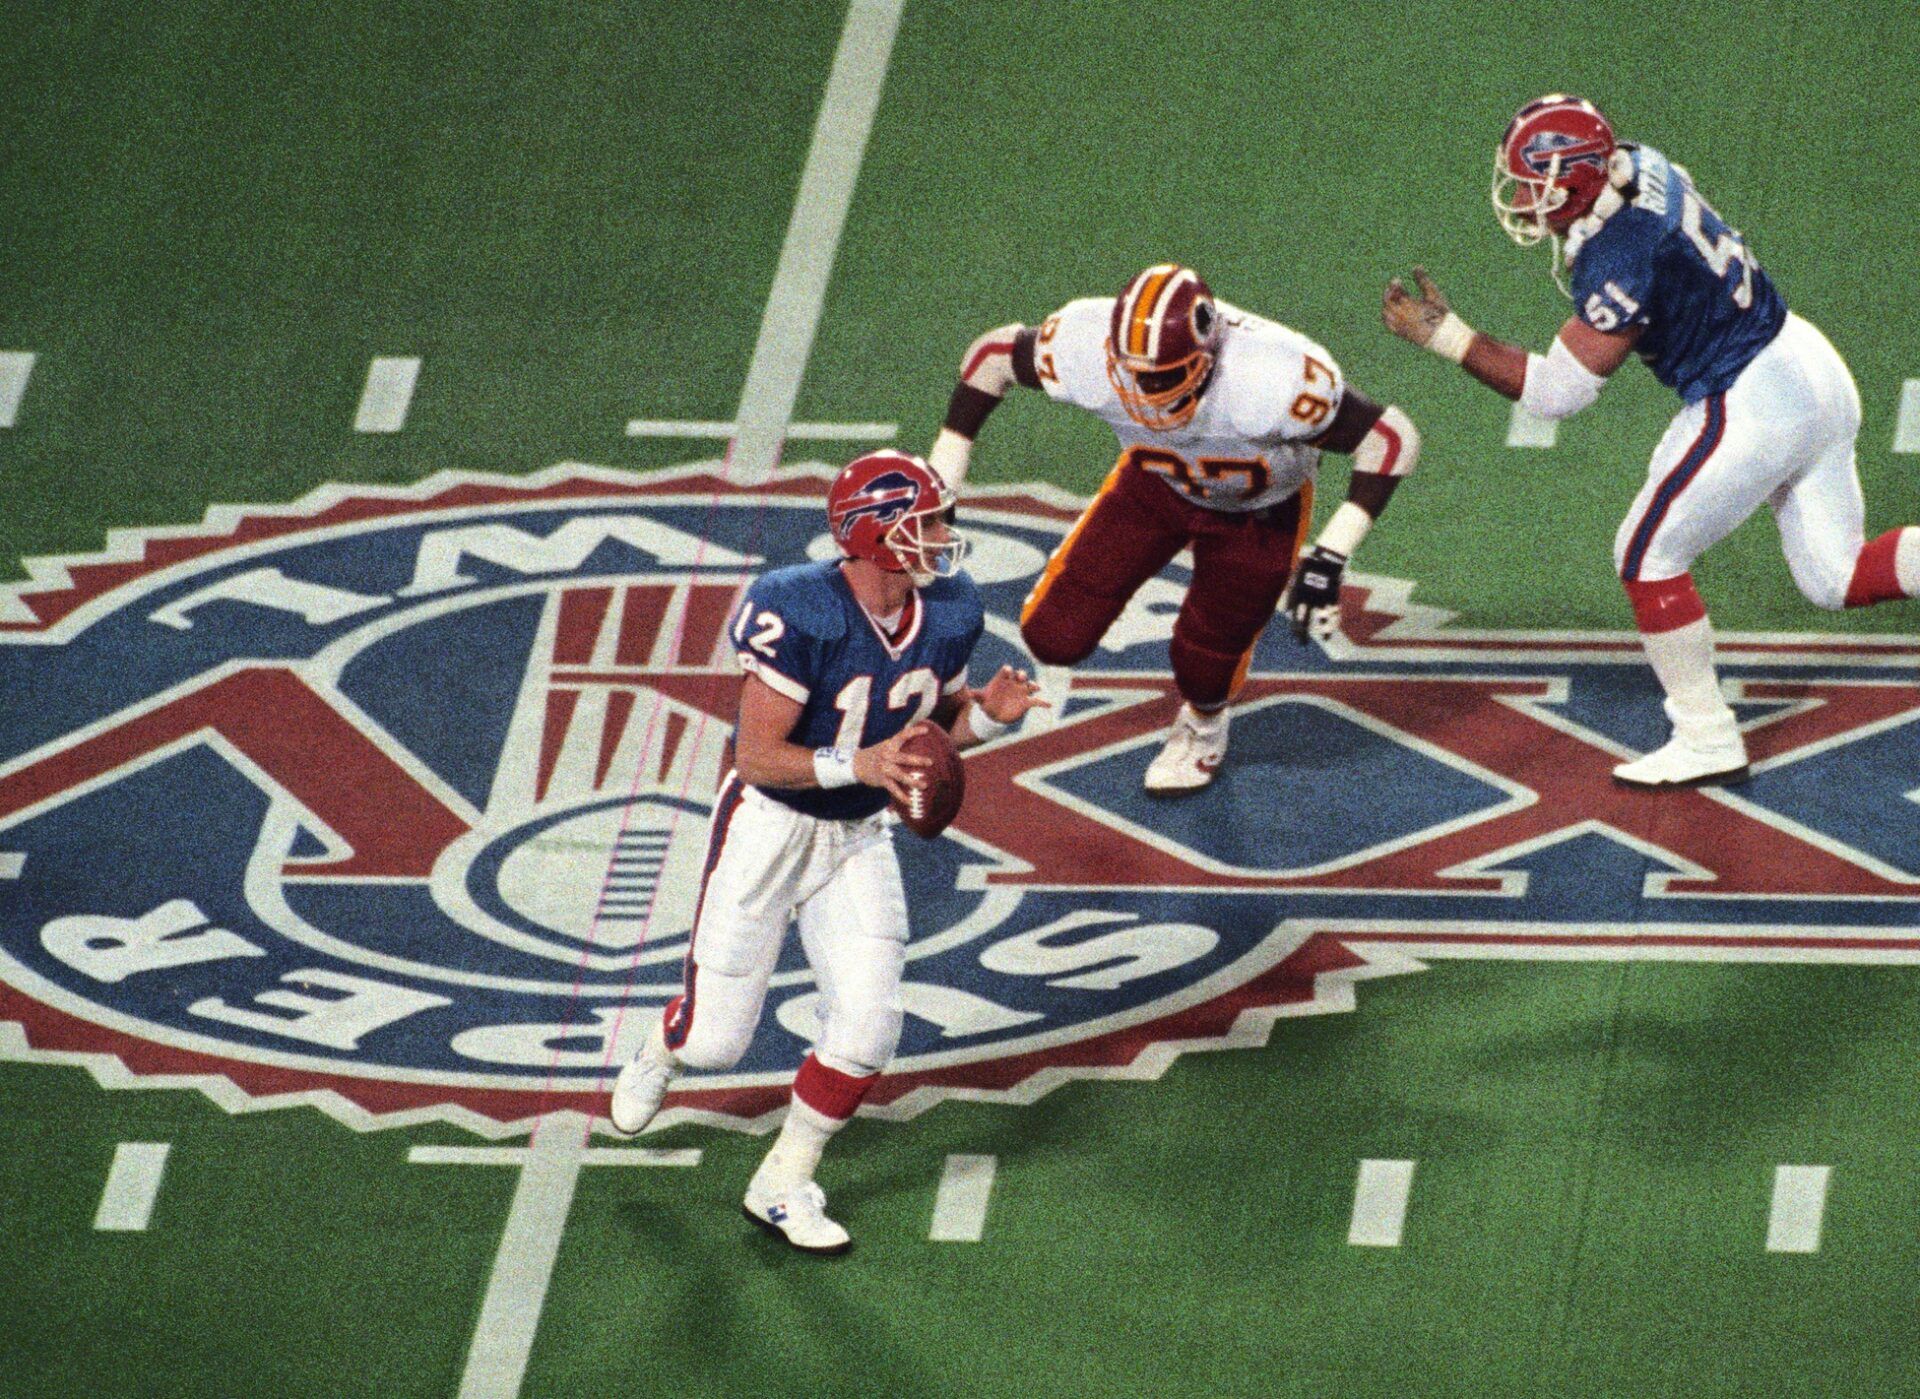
(1525, 429)
(819, 432)
(517, 1289)
(677, 427)
(1906, 427)
(1799, 1207)
(510, 1315)
(16, 366)
(517, 1155)
(1380, 1203)
(813, 237)
(960, 1204)
(388, 394)
(133, 1184)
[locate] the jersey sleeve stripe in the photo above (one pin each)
(1386, 467)
(777, 682)
(995, 347)
(955, 682)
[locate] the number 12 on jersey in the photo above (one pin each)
(918, 688)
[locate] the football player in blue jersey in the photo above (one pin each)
(1770, 412)
(842, 659)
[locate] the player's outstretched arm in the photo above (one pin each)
(994, 363)
(764, 757)
(1385, 447)
(989, 711)
(1555, 385)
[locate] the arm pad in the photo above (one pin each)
(991, 367)
(1391, 446)
(1557, 384)
(988, 365)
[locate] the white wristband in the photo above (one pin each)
(983, 724)
(949, 458)
(833, 767)
(1345, 530)
(1451, 338)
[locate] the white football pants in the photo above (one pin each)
(1782, 435)
(767, 864)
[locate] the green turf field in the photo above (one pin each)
(214, 215)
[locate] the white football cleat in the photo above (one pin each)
(642, 1085)
(1717, 754)
(1196, 744)
(798, 1214)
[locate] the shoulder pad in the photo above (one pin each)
(1267, 372)
(1085, 316)
(806, 597)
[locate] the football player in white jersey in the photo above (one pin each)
(1222, 416)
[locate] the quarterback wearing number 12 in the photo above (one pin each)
(1770, 411)
(1222, 416)
(843, 659)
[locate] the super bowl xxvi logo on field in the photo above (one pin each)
(395, 802)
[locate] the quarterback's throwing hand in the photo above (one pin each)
(1313, 597)
(1414, 318)
(1009, 695)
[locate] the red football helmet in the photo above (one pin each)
(890, 509)
(1551, 166)
(1161, 343)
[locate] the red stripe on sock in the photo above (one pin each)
(828, 1091)
(1667, 605)
(1875, 579)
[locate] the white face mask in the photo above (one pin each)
(923, 558)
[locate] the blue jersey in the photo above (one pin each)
(802, 631)
(1667, 261)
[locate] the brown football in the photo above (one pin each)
(936, 803)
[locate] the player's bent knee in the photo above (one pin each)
(861, 1045)
(1825, 588)
(714, 1047)
(1055, 638)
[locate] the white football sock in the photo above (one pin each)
(795, 1154)
(1683, 661)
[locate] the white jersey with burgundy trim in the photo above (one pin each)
(1246, 446)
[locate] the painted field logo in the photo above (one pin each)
(395, 802)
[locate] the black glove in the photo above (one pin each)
(1313, 597)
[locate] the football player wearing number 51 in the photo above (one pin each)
(1769, 410)
(1222, 416)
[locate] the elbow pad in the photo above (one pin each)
(1558, 385)
(988, 366)
(1391, 446)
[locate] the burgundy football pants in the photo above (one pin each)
(1136, 524)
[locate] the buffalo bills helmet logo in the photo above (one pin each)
(886, 498)
(1540, 151)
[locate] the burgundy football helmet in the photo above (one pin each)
(1551, 166)
(1161, 343)
(890, 509)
